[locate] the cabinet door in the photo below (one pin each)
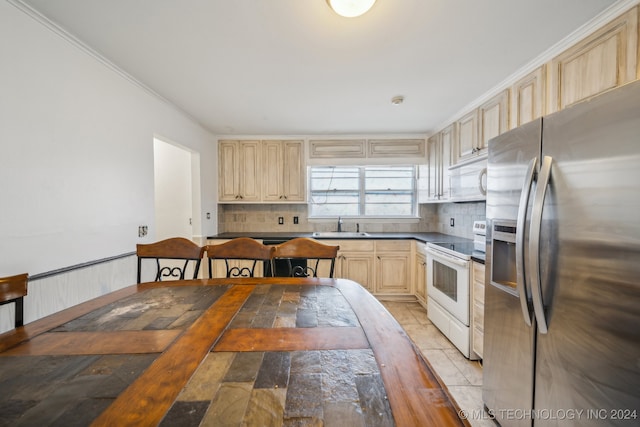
(393, 273)
(272, 171)
(294, 171)
(528, 98)
(396, 148)
(478, 307)
(421, 277)
(249, 171)
(467, 141)
(606, 59)
(358, 266)
(439, 160)
(337, 149)
(447, 139)
(423, 183)
(283, 171)
(433, 153)
(493, 119)
(228, 182)
(393, 267)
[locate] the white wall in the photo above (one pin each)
(76, 153)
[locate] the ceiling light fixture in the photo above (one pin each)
(350, 8)
(397, 100)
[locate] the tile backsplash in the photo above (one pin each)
(463, 214)
(264, 218)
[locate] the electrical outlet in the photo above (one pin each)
(208, 215)
(142, 230)
(452, 222)
(280, 220)
(295, 219)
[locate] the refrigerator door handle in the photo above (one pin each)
(534, 243)
(521, 285)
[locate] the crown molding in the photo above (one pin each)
(588, 28)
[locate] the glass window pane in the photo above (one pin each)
(388, 209)
(334, 210)
(388, 191)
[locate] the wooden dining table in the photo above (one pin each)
(216, 352)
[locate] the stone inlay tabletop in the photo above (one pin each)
(215, 352)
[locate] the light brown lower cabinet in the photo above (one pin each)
(355, 261)
(358, 266)
(478, 307)
(384, 267)
(393, 267)
(420, 274)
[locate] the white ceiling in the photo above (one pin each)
(293, 67)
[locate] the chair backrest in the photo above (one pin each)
(234, 252)
(13, 289)
(310, 251)
(176, 248)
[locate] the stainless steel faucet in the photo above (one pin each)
(339, 224)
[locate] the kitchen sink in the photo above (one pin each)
(338, 234)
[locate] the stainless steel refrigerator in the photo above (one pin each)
(562, 294)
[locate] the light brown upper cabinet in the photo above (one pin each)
(466, 145)
(239, 171)
(261, 171)
(283, 171)
(606, 59)
(362, 149)
(493, 119)
(331, 149)
(396, 148)
(528, 98)
(477, 127)
(439, 160)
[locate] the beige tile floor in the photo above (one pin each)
(462, 377)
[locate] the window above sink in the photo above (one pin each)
(362, 191)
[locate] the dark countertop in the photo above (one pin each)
(478, 256)
(420, 237)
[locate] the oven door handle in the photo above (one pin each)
(449, 258)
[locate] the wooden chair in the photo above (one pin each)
(234, 252)
(310, 252)
(176, 248)
(14, 289)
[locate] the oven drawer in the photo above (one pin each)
(456, 332)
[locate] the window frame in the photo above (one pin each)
(362, 192)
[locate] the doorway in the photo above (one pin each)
(176, 190)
